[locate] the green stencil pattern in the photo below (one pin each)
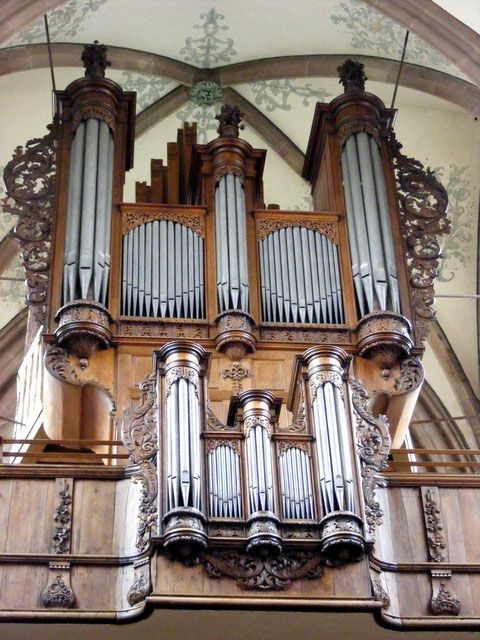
(456, 247)
(208, 50)
(372, 30)
(149, 88)
(275, 94)
(63, 22)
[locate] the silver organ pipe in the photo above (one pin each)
(369, 229)
(89, 210)
(231, 245)
(224, 488)
(295, 484)
(162, 271)
(300, 277)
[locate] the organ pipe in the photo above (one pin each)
(231, 245)
(224, 488)
(300, 277)
(89, 210)
(162, 271)
(295, 484)
(369, 231)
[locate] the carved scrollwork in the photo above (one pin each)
(237, 373)
(30, 186)
(444, 603)
(273, 573)
(374, 445)
(266, 226)
(194, 222)
(140, 438)
(256, 421)
(57, 363)
(283, 445)
(58, 595)
(62, 519)
(422, 203)
(175, 373)
(411, 375)
(380, 594)
(213, 444)
(214, 424)
(299, 423)
(139, 590)
(319, 378)
(433, 525)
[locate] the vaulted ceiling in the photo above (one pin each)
(275, 60)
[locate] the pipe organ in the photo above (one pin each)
(265, 340)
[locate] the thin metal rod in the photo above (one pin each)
(400, 68)
(475, 415)
(49, 47)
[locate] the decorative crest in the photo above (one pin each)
(352, 76)
(229, 121)
(94, 58)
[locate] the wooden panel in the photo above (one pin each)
(414, 594)
(21, 585)
(94, 587)
(6, 487)
(30, 517)
(268, 374)
(93, 511)
(469, 507)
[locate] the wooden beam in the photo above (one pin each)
(160, 109)
(285, 148)
(14, 15)
(440, 29)
(459, 383)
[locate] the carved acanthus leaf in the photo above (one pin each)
(434, 525)
(373, 440)
(257, 421)
(174, 374)
(214, 424)
(411, 375)
(321, 377)
(194, 222)
(58, 595)
(422, 203)
(30, 187)
(62, 519)
(273, 573)
(140, 438)
(444, 603)
(139, 590)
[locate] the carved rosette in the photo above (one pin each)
(422, 204)
(30, 187)
(263, 533)
(373, 447)
(57, 595)
(252, 572)
(185, 533)
(384, 337)
(140, 438)
(235, 334)
(83, 328)
(341, 537)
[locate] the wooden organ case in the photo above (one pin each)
(256, 363)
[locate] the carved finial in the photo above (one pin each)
(352, 76)
(94, 58)
(229, 121)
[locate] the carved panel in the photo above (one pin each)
(253, 572)
(373, 440)
(160, 329)
(266, 226)
(422, 203)
(282, 332)
(62, 519)
(433, 524)
(30, 186)
(194, 221)
(237, 373)
(58, 595)
(140, 438)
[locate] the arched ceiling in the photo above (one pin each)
(276, 60)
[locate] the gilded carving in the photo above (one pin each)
(30, 187)
(62, 520)
(237, 373)
(57, 595)
(253, 572)
(422, 204)
(444, 603)
(193, 221)
(175, 373)
(139, 590)
(140, 438)
(434, 525)
(373, 440)
(266, 226)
